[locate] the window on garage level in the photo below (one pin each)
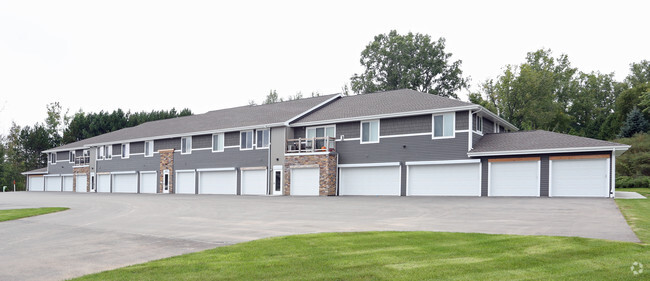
(148, 148)
(370, 131)
(186, 145)
(246, 140)
(263, 138)
(443, 125)
(217, 142)
(125, 150)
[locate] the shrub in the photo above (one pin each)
(630, 182)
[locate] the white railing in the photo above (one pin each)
(310, 145)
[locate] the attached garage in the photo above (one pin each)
(125, 182)
(185, 182)
(444, 178)
(370, 179)
(579, 176)
(305, 181)
(81, 183)
(36, 183)
(218, 181)
(253, 181)
(67, 183)
(52, 183)
(514, 177)
(104, 183)
(149, 182)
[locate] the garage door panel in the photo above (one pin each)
(445, 180)
(253, 182)
(580, 177)
(104, 183)
(218, 182)
(305, 181)
(517, 178)
(148, 182)
(67, 183)
(370, 181)
(185, 183)
(52, 183)
(36, 183)
(81, 184)
(125, 183)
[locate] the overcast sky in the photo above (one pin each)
(206, 55)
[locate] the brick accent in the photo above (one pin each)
(78, 171)
(166, 163)
(327, 165)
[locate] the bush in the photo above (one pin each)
(630, 182)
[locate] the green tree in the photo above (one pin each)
(634, 123)
(272, 97)
(56, 122)
(412, 61)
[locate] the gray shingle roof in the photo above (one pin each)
(36, 171)
(388, 102)
(536, 140)
(236, 117)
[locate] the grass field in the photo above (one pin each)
(14, 214)
(411, 256)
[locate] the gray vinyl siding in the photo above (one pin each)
(349, 129)
(136, 147)
(418, 148)
(171, 143)
(117, 149)
(62, 155)
(403, 179)
(231, 139)
(462, 120)
(488, 126)
(405, 125)
(60, 168)
(133, 163)
(278, 145)
(544, 176)
(79, 152)
(484, 176)
(202, 141)
(230, 157)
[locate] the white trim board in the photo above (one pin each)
(215, 169)
(362, 165)
(443, 162)
(312, 109)
(122, 173)
(550, 150)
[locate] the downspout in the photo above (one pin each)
(269, 168)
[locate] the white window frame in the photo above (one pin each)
(223, 140)
(257, 144)
(100, 152)
(71, 156)
(252, 139)
(361, 131)
(53, 158)
(324, 128)
(146, 154)
(188, 145)
(478, 123)
(496, 128)
(109, 152)
(453, 124)
(126, 150)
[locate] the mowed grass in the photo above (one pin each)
(637, 213)
(399, 256)
(14, 214)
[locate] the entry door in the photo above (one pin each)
(277, 181)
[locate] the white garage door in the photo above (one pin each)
(445, 180)
(218, 182)
(52, 183)
(369, 181)
(514, 178)
(67, 183)
(36, 183)
(305, 181)
(185, 183)
(125, 183)
(580, 177)
(103, 183)
(253, 182)
(81, 183)
(148, 182)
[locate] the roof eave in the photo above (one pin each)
(621, 149)
(501, 120)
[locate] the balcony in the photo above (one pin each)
(82, 160)
(311, 145)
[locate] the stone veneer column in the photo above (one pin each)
(327, 165)
(78, 171)
(166, 163)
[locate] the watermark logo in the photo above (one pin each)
(636, 268)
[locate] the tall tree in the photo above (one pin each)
(412, 61)
(272, 97)
(634, 123)
(56, 122)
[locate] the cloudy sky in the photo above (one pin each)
(206, 55)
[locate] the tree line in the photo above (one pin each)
(20, 149)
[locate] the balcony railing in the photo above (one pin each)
(310, 145)
(82, 160)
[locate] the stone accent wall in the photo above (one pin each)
(78, 171)
(327, 165)
(166, 163)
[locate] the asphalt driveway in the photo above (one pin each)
(106, 231)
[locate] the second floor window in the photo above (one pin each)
(186, 145)
(71, 156)
(108, 152)
(443, 125)
(263, 138)
(246, 140)
(478, 123)
(148, 148)
(52, 158)
(217, 142)
(370, 131)
(125, 150)
(100, 152)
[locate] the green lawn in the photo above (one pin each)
(14, 214)
(637, 213)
